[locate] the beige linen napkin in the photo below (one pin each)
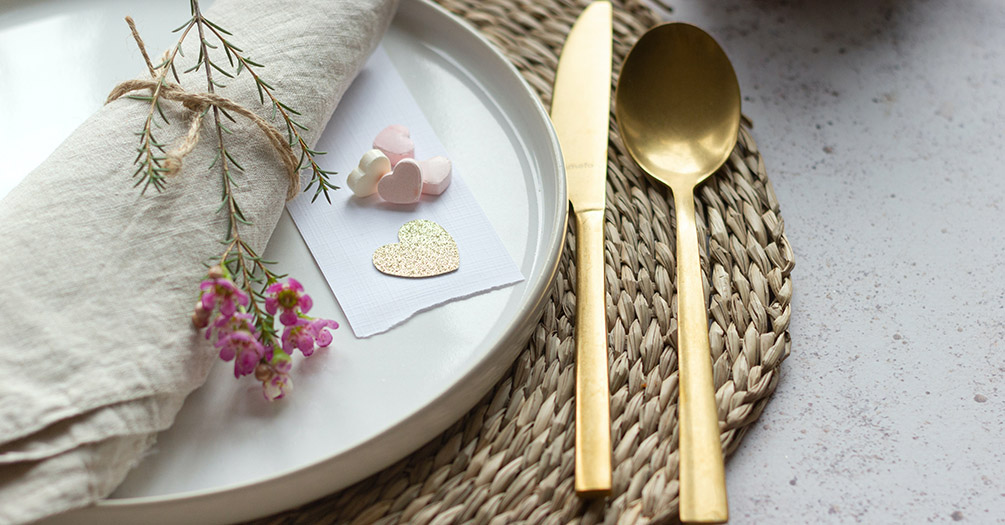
(97, 349)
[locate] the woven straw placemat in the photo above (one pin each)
(511, 457)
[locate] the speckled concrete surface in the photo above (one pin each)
(882, 125)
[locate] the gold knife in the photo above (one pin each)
(580, 112)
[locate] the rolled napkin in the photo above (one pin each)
(97, 343)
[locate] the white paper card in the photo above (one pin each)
(342, 237)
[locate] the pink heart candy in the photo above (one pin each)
(435, 175)
(395, 142)
(403, 185)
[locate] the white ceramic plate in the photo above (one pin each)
(366, 403)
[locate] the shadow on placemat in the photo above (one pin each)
(511, 457)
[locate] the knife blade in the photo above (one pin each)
(580, 113)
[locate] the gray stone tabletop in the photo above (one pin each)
(882, 127)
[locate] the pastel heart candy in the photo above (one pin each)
(396, 143)
(435, 175)
(363, 179)
(424, 249)
(403, 185)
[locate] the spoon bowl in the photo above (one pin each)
(677, 105)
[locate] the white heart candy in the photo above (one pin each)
(363, 179)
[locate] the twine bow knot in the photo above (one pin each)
(198, 104)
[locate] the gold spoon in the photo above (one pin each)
(678, 108)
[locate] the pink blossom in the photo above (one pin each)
(320, 328)
(245, 363)
(277, 387)
(235, 323)
(245, 347)
(276, 381)
(300, 336)
(223, 292)
(290, 298)
(305, 334)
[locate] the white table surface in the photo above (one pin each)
(882, 127)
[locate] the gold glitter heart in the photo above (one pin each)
(424, 249)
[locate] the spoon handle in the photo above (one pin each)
(702, 476)
(593, 391)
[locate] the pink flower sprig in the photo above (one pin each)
(240, 296)
(248, 338)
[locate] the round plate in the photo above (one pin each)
(365, 403)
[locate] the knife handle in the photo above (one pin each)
(593, 392)
(702, 474)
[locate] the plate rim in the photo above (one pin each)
(509, 343)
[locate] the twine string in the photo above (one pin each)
(198, 103)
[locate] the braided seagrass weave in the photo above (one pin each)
(511, 458)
